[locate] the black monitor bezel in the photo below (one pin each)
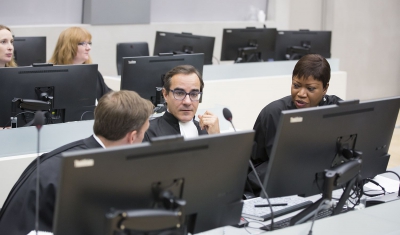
(305, 143)
(235, 38)
(213, 172)
(29, 50)
(74, 89)
(320, 42)
(167, 42)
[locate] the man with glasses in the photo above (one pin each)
(183, 87)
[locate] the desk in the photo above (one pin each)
(381, 219)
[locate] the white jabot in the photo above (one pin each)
(188, 129)
(99, 141)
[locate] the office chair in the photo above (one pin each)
(130, 49)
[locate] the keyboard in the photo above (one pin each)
(294, 203)
(286, 222)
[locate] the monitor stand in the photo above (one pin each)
(167, 216)
(347, 173)
(248, 54)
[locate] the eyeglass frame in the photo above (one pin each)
(85, 44)
(187, 93)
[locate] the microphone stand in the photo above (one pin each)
(38, 122)
(228, 116)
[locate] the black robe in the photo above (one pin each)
(165, 125)
(265, 128)
(101, 88)
(17, 216)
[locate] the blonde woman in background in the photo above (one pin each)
(6, 47)
(73, 47)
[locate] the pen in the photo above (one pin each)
(273, 204)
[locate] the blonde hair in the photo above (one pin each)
(12, 62)
(67, 45)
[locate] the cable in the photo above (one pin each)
(16, 116)
(248, 226)
(377, 184)
(85, 113)
(398, 176)
(315, 215)
(214, 57)
(398, 193)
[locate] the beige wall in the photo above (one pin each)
(365, 37)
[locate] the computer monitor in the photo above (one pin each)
(184, 43)
(69, 91)
(291, 45)
(248, 44)
(206, 172)
(144, 74)
(130, 49)
(29, 50)
(308, 141)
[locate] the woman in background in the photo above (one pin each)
(73, 47)
(6, 47)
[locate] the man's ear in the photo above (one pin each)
(326, 88)
(131, 137)
(164, 92)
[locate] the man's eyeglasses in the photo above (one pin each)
(181, 95)
(85, 44)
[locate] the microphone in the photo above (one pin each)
(228, 116)
(38, 121)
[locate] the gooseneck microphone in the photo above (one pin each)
(38, 121)
(228, 116)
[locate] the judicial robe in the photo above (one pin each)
(265, 129)
(101, 88)
(165, 125)
(17, 216)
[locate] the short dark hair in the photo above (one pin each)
(120, 112)
(313, 65)
(181, 69)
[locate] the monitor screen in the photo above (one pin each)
(308, 141)
(144, 74)
(291, 45)
(205, 172)
(29, 50)
(70, 90)
(250, 40)
(130, 49)
(184, 43)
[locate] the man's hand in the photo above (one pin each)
(210, 122)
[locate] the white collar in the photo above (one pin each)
(188, 129)
(99, 141)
